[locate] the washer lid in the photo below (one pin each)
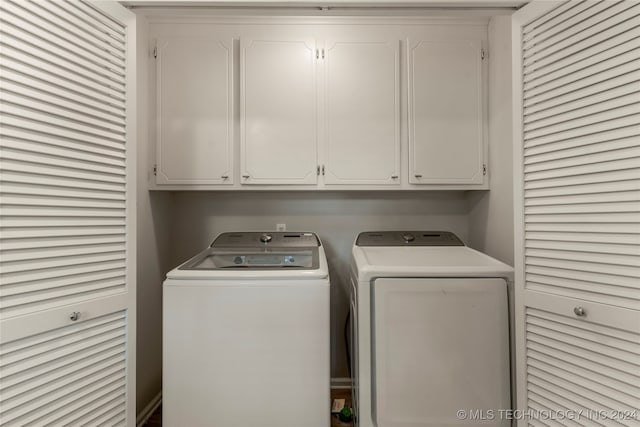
(408, 238)
(266, 258)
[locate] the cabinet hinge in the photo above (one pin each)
(483, 54)
(155, 170)
(484, 169)
(155, 52)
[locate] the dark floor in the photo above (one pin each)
(156, 419)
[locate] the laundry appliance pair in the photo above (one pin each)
(246, 332)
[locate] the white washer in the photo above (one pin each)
(246, 334)
(430, 332)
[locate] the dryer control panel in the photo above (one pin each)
(408, 238)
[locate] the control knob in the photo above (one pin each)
(266, 238)
(408, 237)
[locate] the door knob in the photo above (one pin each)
(579, 311)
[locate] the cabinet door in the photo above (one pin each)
(67, 209)
(278, 113)
(194, 111)
(446, 114)
(362, 112)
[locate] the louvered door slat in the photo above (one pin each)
(62, 242)
(38, 115)
(49, 85)
(61, 271)
(621, 46)
(535, 156)
(566, 236)
(66, 208)
(18, 386)
(542, 25)
(593, 37)
(580, 31)
(96, 18)
(34, 24)
(582, 82)
(542, 400)
(21, 43)
(579, 199)
(50, 181)
(580, 90)
(545, 121)
(33, 234)
(553, 353)
(39, 71)
(92, 39)
(52, 130)
(73, 109)
(40, 105)
(600, 113)
(21, 168)
(582, 177)
(601, 15)
(77, 156)
(103, 413)
(631, 117)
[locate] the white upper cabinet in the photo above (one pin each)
(278, 111)
(446, 112)
(362, 112)
(294, 103)
(194, 111)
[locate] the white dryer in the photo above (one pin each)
(430, 332)
(246, 334)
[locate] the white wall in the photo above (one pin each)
(337, 218)
(491, 213)
(153, 212)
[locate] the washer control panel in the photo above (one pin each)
(280, 239)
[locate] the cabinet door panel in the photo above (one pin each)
(194, 111)
(362, 112)
(278, 112)
(446, 135)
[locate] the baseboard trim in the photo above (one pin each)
(340, 382)
(148, 410)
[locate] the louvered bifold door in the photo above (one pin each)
(67, 200)
(577, 205)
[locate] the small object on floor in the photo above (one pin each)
(337, 405)
(345, 415)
